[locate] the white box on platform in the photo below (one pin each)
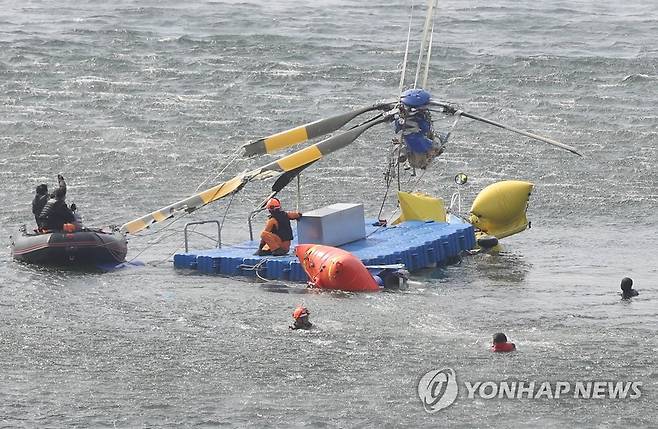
(332, 225)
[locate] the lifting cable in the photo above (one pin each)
(393, 160)
(406, 50)
(233, 158)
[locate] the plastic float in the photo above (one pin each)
(425, 235)
(415, 244)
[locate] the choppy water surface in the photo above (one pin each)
(138, 103)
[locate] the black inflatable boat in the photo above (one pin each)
(88, 247)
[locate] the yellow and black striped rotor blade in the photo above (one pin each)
(309, 155)
(285, 139)
(314, 152)
(188, 204)
(288, 163)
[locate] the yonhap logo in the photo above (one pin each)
(437, 389)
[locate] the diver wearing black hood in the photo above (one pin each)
(627, 290)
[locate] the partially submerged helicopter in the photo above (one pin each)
(497, 212)
(416, 146)
(420, 145)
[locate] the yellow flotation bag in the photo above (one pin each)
(419, 206)
(500, 208)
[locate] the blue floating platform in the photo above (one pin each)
(415, 244)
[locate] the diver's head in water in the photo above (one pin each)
(301, 316)
(499, 338)
(626, 284)
(627, 290)
(500, 343)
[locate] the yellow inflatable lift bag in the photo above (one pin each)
(419, 206)
(500, 208)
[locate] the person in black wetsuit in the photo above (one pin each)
(56, 213)
(627, 291)
(42, 197)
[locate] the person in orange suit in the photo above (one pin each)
(500, 344)
(275, 238)
(300, 317)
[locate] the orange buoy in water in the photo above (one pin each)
(332, 268)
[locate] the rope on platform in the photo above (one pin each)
(160, 239)
(256, 268)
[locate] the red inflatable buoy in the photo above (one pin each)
(332, 268)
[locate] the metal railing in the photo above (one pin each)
(219, 231)
(252, 215)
